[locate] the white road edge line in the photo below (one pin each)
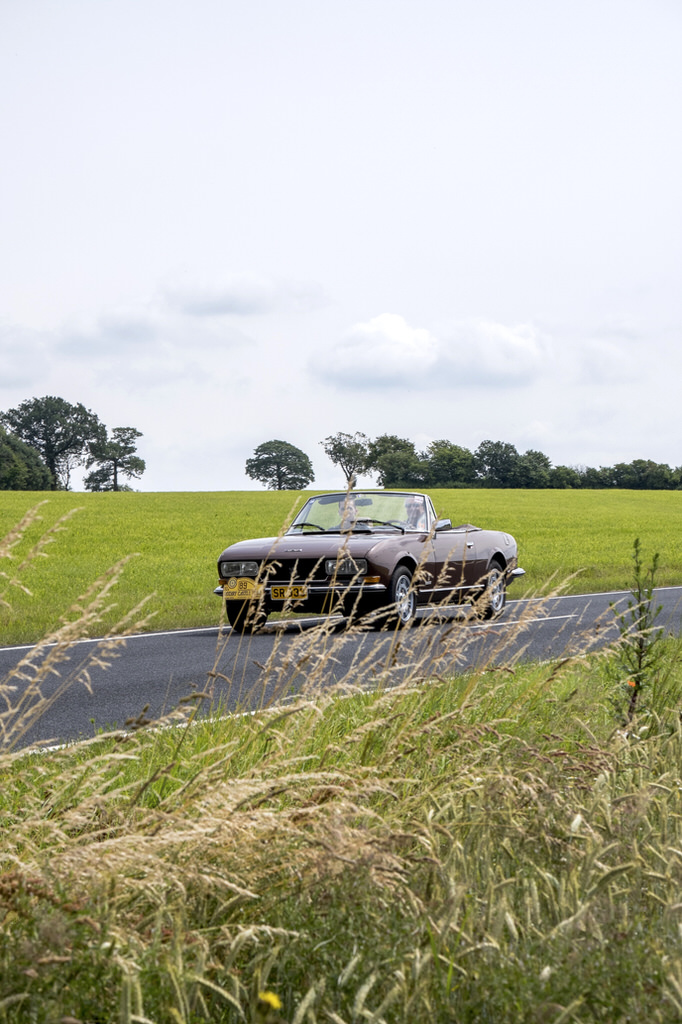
(217, 629)
(130, 636)
(211, 629)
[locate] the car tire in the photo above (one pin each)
(490, 604)
(402, 599)
(245, 617)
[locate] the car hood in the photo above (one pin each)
(310, 545)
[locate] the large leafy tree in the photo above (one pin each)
(114, 458)
(388, 444)
(348, 451)
(21, 468)
(564, 477)
(643, 474)
(533, 469)
(592, 478)
(396, 462)
(402, 469)
(58, 431)
(497, 463)
(449, 464)
(280, 466)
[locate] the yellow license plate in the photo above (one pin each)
(291, 592)
(240, 588)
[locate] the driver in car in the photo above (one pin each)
(347, 512)
(415, 516)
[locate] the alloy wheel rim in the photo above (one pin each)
(496, 588)
(404, 599)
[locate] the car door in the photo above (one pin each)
(453, 562)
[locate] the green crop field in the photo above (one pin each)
(501, 844)
(177, 537)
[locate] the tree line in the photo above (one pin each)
(396, 463)
(43, 440)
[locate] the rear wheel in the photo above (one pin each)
(490, 604)
(245, 616)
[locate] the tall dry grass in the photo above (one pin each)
(404, 841)
(43, 675)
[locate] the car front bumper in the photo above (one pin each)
(317, 590)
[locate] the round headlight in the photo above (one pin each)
(345, 566)
(238, 569)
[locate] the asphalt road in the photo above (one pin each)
(90, 687)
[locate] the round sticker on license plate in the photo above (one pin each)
(240, 589)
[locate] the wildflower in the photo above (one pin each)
(273, 1000)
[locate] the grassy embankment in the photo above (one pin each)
(178, 537)
(487, 847)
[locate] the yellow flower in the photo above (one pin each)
(271, 999)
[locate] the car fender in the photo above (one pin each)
(388, 554)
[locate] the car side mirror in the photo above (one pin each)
(443, 524)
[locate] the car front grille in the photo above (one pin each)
(303, 570)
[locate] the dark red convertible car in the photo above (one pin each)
(373, 556)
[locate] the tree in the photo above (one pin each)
(387, 444)
(58, 431)
(114, 457)
(348, 451)
(280, 466)
(396, 462)
(644, 475)
(497, 463)
(593, 479)
(533, 470)
(449, 464)
(564, 477)
(21, 468)
(402, 469)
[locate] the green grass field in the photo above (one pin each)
(177, 538)
(490, 847)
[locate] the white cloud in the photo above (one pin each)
(388, 352)
(146, 336)
(143, 355)
(610, 355)
(383, 352)
(606, 363)
(482, 352)
(244, 296)
(112, 333)
(22, 357)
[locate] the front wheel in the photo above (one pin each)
(403, 600)
(491, 602)
(245, 616)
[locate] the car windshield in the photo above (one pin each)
(364, 510)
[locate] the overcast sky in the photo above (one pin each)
(227, 222)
